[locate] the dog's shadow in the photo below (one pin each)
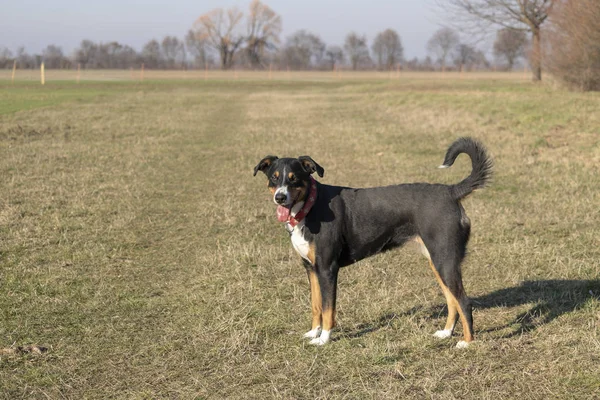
(366, 327)
(546, 300)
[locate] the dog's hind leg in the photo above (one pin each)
(450, 299)
(445, 262)
(450, 275)
(452, 307)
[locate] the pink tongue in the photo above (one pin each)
(282, 213)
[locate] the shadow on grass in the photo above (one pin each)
(367, 327)
(549, 299)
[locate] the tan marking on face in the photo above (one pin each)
(298, 193)
(272, 190)
(315, 299)
(276, 174)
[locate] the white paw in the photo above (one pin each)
(462, 345)
(321, 340)
(318, 341)
(443, 334)
(313, 333)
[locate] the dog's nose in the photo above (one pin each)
(280, 198)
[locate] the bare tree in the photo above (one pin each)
(173, 52)
(388, 49)
(111, 51)
(480, 60)
(151, 55)
(574, 37)
(413, 64)
(465, 56)
(24, 59)
(264, 28)
(54, 58)
(526, 15)
(101, 57)
(335, 55)
(442, 45)
(105, 55)
(428, 64)
(85, 53)
(127, 57)
(219, 28)
(198, 48)
(303, 50)
(356, 49)
(510, 45)
(6, 58)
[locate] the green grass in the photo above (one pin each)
(137, 247)
(28, 96)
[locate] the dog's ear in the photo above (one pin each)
(264, 164)
(311, 165)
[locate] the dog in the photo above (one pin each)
(332, 227)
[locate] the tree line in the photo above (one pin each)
(564, 34)
(302, 51)
(228, 38)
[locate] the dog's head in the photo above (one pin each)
(289, 180)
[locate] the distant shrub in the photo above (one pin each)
(573, 54)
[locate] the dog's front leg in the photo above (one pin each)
(315, 301)
(327, 279)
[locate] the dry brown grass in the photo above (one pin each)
(134, 75)
(137, 247)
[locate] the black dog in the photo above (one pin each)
(332, 227)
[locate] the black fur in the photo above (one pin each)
(311, 166)
(481, 163)
(264, 164)
(346, 224)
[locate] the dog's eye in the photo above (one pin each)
(274, 178)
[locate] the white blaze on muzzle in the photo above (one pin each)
(283, 190)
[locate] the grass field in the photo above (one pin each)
(136, 246)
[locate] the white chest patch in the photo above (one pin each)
(300, 244)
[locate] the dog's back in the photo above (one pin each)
(332, 227)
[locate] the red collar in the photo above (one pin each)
(308, 203)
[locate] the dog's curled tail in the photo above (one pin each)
(480, 160)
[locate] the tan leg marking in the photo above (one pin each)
(466, 331)
(311, 253)
(453, 305)
(450, 300)
(328, 319)
(315, 300)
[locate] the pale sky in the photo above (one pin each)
(36, 24)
